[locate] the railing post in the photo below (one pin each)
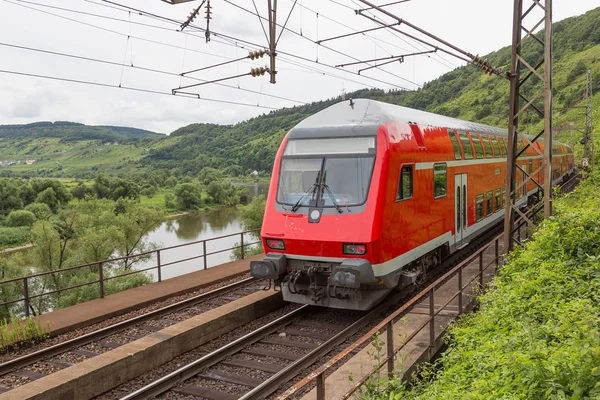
(431, 324)
(481, 268)
(26, 297)
(158, 265)
(101, 280)
(204, 250)
(460, 292)
(321, 386)
(497, 254)
(390, 349)
(242, 241)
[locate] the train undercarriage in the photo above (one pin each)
(350, 284)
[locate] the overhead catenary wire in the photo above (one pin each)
(326, 47)
(114, 63)
(439, 59)
(176, 22)
(108, 85)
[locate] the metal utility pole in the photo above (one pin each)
(588, 138)
(520, 102)
(272, 34)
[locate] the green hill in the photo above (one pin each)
(71, 149)
(464, 93)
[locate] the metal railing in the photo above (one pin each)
(99, 268)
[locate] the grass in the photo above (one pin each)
(15, 333)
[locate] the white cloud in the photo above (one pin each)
(477, 26)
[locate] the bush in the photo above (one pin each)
(20, 218)
(40, 210)
(537, 334)
(12, 236)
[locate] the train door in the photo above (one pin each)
(460, 209)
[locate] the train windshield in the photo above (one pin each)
(326, 172)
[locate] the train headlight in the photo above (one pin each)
(355, 249)
(275, 244)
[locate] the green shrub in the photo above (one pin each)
(537, 334)
(20, 218)
(12, 236)
(15, 333)
(41, 210)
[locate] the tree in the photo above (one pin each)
(80, 191)
(253, 214)
(9, 196)
(170, 201)
(217, 192)
(48, 197)
(252, 217)
(27, 194)
(171, 182)
(20, 218)
(40, 210)
(134, 224)
(122, 188)
(208, 175)
(188, 196)
(102, 186)
(62, 194)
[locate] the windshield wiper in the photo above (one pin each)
(308, 192)
(330, 194)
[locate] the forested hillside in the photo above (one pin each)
(71, 149)
(464, 93)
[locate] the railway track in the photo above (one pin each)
(38, 364)
(259, 363)
(256, 365)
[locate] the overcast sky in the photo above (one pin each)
(91, 29)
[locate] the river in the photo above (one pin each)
(198, 226)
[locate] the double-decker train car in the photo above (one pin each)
(367, 197)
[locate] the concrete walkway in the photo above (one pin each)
(93, 311)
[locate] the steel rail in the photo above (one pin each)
(63, 347)
(165, 383)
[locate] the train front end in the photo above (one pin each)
(320, 231)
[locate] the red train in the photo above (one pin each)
(367, 197)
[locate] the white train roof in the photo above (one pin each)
(365, 116)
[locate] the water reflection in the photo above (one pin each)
(199, 226)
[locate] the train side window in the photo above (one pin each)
(488, 146)
(504, 195)
(478, 145)
(497, 152)
(405, 185)
(466, 145)
(455, 144)
(489, 199)
(497, 199)
(479, 207)
(505, 146)
(440, 179)
(530, 167)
